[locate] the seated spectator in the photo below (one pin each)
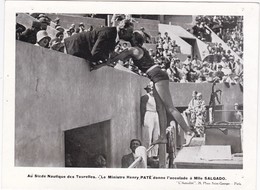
(189, 72)
(56, 21)
(196, 62)
(184, 79)
(29, 35)
(81, 27)
(173, 72)
(57, 43)
(229, 79)
(231, 63)
(238, 114)
(201, 79)
(188, 60)
(72, 30)
(219, 73)
(158, 38)
(44, 23)
(59, 28)
(67, 34)
(43, 39)
(128, 159)
(19, 30)
(166, 37)
(147, 36)
(238, 69)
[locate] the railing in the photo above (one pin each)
(141, 154)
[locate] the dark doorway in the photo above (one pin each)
(88, 146)
(192, 42)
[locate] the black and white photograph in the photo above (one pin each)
(119, 93)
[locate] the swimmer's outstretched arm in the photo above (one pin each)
(125, 55)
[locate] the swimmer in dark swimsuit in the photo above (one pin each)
(145, 63)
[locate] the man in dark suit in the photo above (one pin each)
(96, 45)
(128, 159)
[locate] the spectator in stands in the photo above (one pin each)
(95, 46)
(44, 23)
(166, 37)
(128, 159)
(59, 28)
(19, 30)
(90, 28)
(150, 118)
(29, 35)
(147, 36)
(56, 21)
(145, 63)
(184, 79)
(238, 114)
(189, 72)
(158, 38)
(173, 72)
(219, 73)
(196, 29)
(231, 63)
(72, 30)
(201, 79)
(57, 43)
(238, 69)
(188, 60)
(196, 62)
(81, 27)
(43, 39)
(67, 34)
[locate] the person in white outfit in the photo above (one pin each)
(150, 118)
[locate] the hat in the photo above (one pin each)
(71, 28)
(56, 19)
(59, 33)
(81, 24)
(43, 20)
(236, 104)
(42, 34)
(59, 28)
(220, 66)
(41, 15)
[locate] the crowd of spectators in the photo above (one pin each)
(220, 66)
(228, 28)
(38, 35)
